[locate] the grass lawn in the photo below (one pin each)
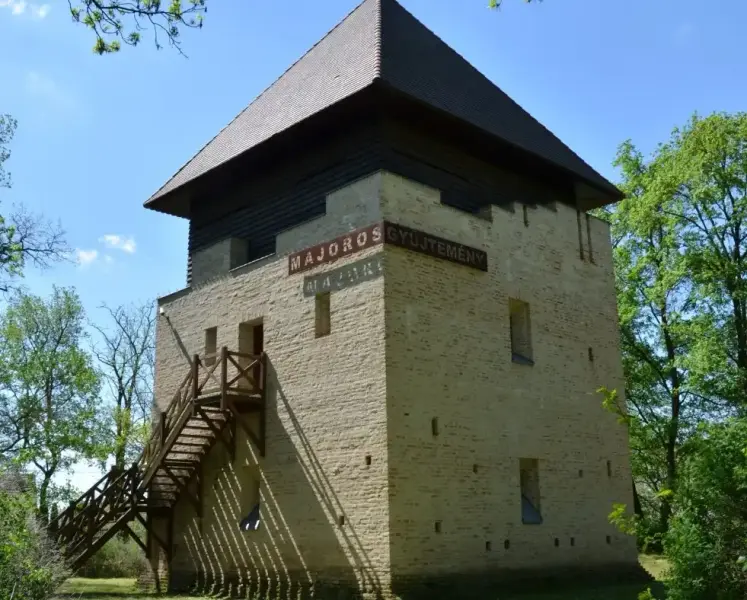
(124, 589)
(98, 587)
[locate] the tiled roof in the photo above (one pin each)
(380, 40)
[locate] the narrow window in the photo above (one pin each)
(250, 500)
(588, 238)
(530, 491)
(526, 216)
(211, 346)
(437, 526)
(323, 322)
(521, 337)
(488, 546)
(609, 468)
(591, 354)
(434, 426)
(341, 520)
(580, 234)
(368, 460)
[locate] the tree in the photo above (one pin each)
(7, 130)
(126, 356)
(48, 388)
(707, 541)
(708, 171)
(31, 566)
(678, 244)
(116, 22)
(24, 237)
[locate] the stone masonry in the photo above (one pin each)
(394, 443)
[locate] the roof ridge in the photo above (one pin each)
(484, 77)
(377, 33)
(268, 87)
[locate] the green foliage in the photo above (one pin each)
(30, 567)
(118, 558)
(114, 23)
(681, 281)
(7, 130)
(48, 388)
(708, 534)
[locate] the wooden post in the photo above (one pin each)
(195, 376)
(223, 376)
(162, 428)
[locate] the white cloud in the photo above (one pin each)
(18, 7)
(119, 242)
(40, 11)
(86, 257)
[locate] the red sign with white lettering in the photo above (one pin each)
(326, 252)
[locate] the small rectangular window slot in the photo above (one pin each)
(557, 543)
(506, 544)
(573, 541)
(322, 324)
(368, 460)
(609, 540)
(580, 234)
(526, 215)
(609, 468)
(520, 331)
(434, 426)
(437, 526)
(341, 520)
(531, 511)
(211, 346)
(588, 238)
(591, 354)
(488, 546)
(580, 473)
(474, 469)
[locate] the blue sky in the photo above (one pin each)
(98, 135)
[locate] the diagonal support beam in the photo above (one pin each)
(148, 525)
(257, 440)
(183, 489)
(135, 537)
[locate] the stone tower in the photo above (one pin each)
(397, 263)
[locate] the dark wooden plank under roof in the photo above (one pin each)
(379, 42)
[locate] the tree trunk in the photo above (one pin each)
(671, 450)
(44, 497)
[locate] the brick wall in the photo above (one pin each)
(428, 340)
(326, 413)
(448, 356)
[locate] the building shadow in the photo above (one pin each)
(304, 547)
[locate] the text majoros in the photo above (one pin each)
(345, 245)
(388, 233)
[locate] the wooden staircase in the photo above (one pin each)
(205, 410)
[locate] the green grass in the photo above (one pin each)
(91, 588)
(125, 589)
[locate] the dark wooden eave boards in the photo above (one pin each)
(380, 44)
